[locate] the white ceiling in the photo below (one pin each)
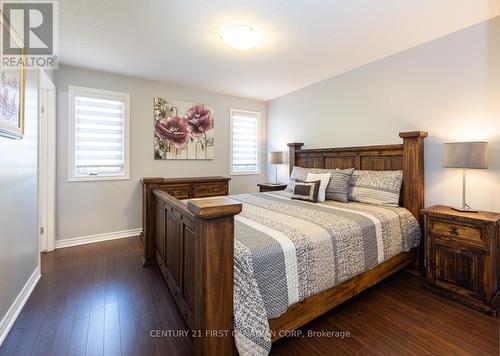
(305, 41)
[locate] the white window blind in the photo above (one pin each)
(99, 134)
(245, 141)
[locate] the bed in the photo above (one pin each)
(246, 269)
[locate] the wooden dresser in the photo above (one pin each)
(462, 255)
(180, 188)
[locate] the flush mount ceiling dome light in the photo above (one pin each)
(241, 37)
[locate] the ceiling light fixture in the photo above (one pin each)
(241, 37)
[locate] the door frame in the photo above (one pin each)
(46, 162)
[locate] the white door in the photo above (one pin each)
(46, 162)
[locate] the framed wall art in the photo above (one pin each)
(12, 92)
(183, 130)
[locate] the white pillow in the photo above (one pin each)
(324, 178)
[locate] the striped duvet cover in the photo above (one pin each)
(287, 250)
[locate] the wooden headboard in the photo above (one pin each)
(408, 157)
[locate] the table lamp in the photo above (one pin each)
(465, 155)
(276, 158)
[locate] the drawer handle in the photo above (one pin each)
(453, 230)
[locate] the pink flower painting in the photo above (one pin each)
(183, 130)
(199, 120)
(173, 130)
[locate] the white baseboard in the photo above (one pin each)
(16, 307)
(97, 238)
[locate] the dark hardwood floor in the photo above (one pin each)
(97, 300)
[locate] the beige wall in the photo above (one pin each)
(87, 208)
(449, 87)
(18, 203)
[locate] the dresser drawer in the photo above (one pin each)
(466, 233)
(209, 189)
(178, 191)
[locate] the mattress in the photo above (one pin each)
(287, 250)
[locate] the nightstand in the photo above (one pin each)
(271, 187)
(462, 256)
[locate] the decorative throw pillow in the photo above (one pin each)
(338, 187)
(324, 178)
(376, 187)
(300, 173)
(307, 191)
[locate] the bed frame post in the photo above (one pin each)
(292, 148)
(413, 172)
(414, 181)
(214, 251)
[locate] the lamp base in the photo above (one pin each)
(464, 210)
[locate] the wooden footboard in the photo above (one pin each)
(194, 247)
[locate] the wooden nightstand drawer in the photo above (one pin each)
(208, 190)
(467, 233)
(178, 191)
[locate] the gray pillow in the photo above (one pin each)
(376, 187)
(338, 187)
(300, 173)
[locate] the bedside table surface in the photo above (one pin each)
(437, 210)
(272, 185)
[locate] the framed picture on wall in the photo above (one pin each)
(183, 130)
(12, 91)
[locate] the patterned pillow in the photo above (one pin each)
(307, 191)
(338, 187)
(376, 187)
(324, 178)
(300, 173)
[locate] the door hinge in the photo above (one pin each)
(42, 230)
(42, 109)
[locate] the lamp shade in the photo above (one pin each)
(466, 155)
(276, 157)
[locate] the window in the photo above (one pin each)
(99, 122)
(245, 132)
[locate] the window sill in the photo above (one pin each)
(245, 173)
(97, 179)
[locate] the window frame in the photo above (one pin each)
(232, 111)
(74, 91)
